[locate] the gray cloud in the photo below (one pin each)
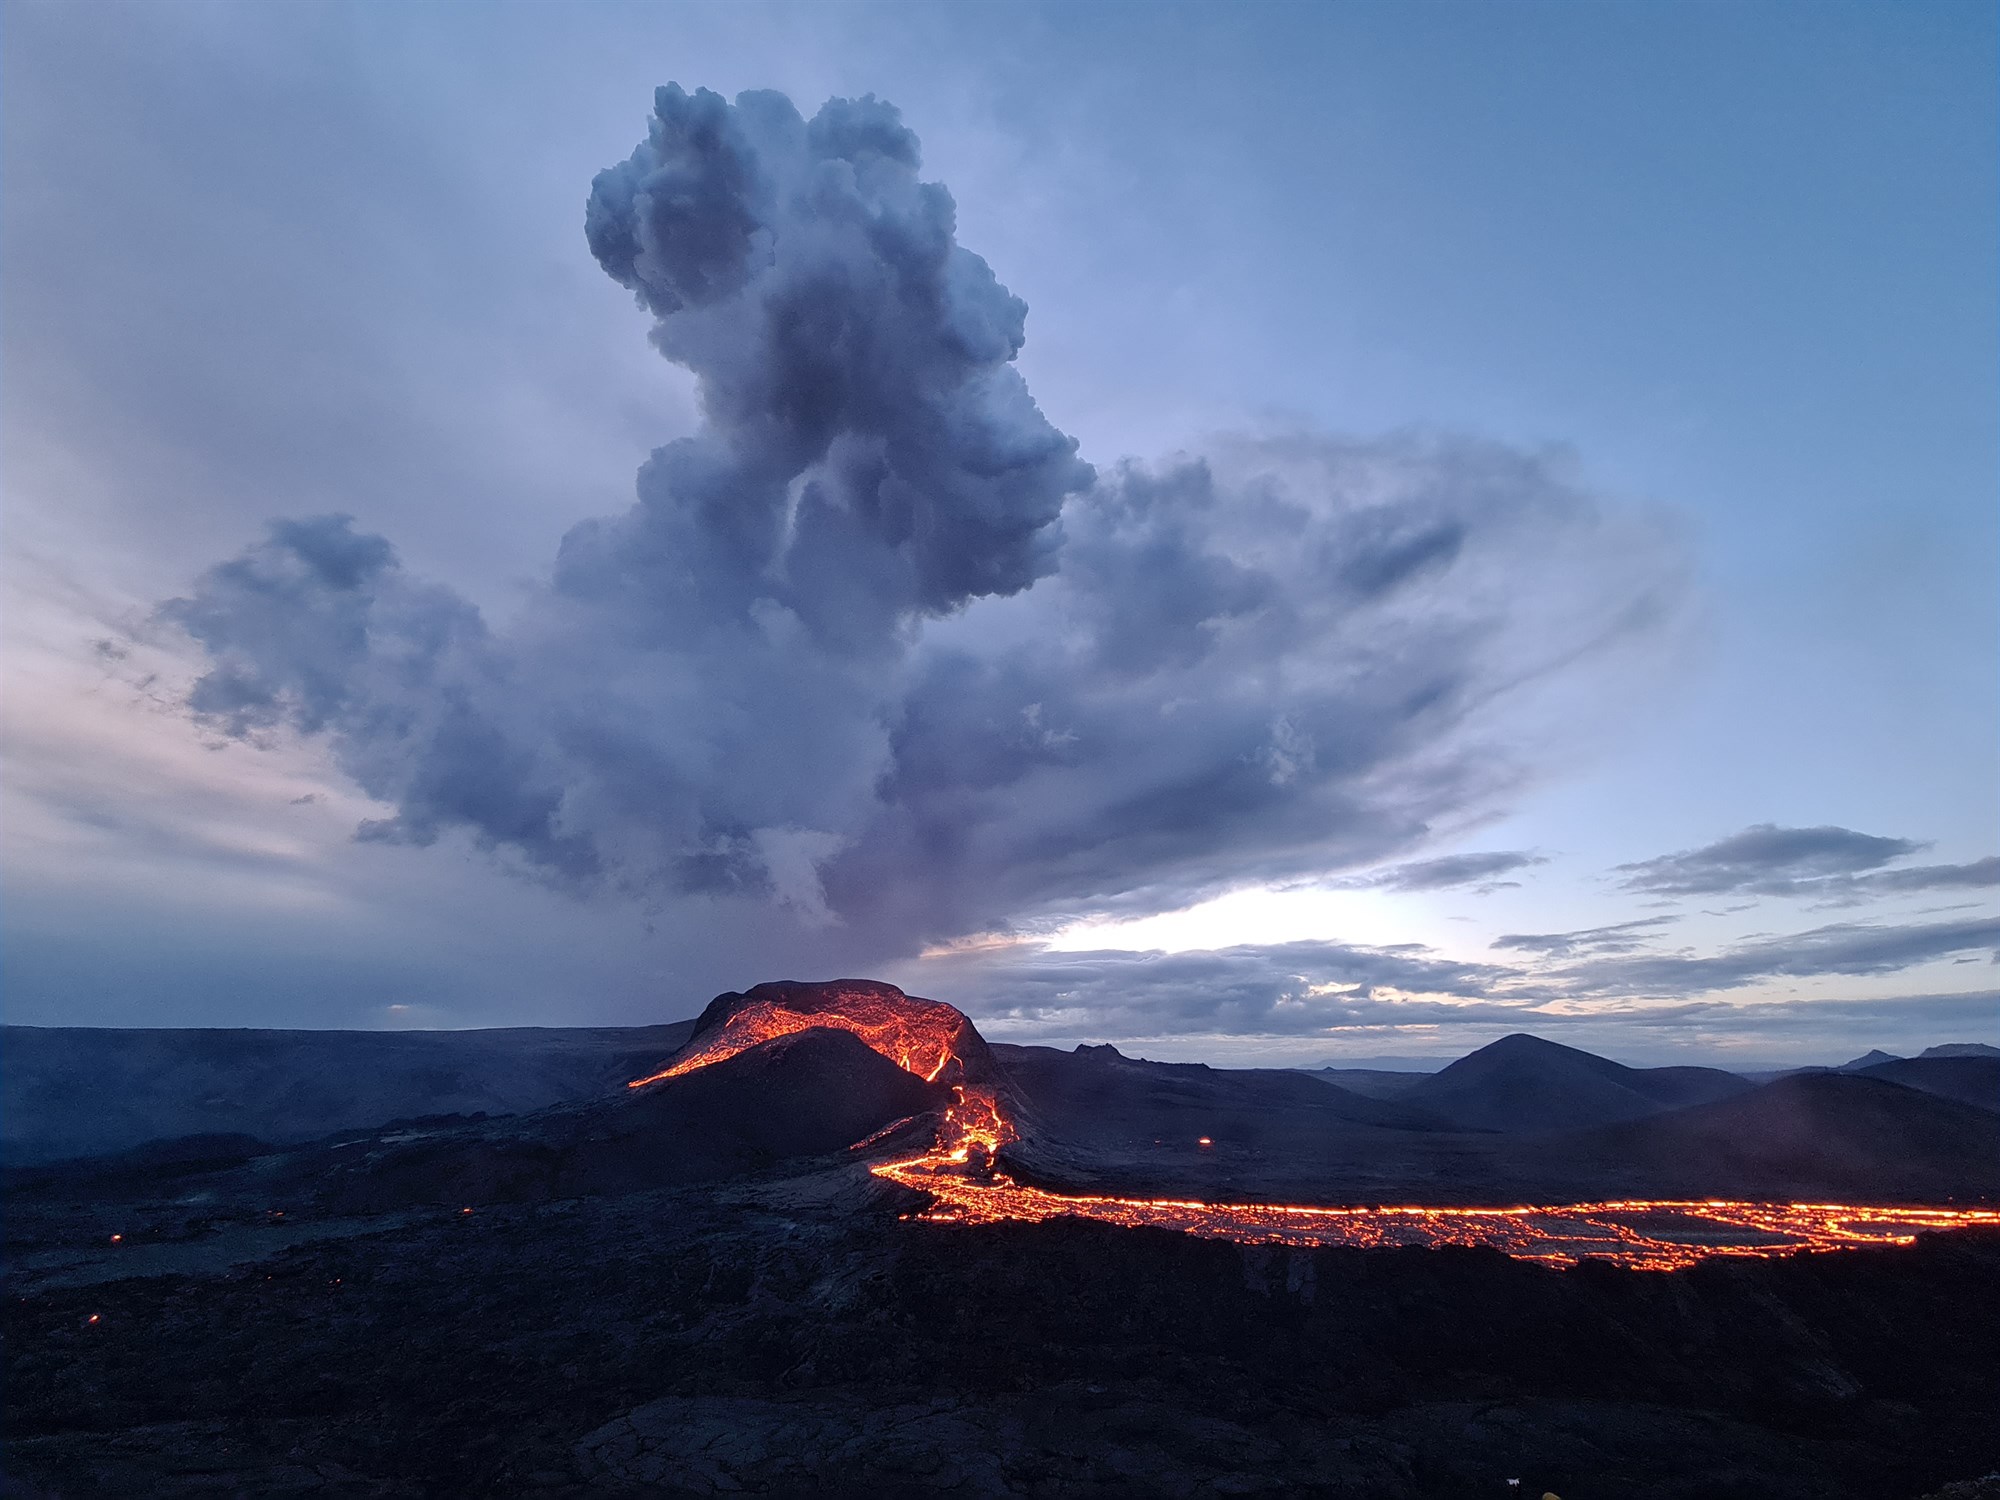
(1833, 866)
(1980, 873)
(1765, 859)
(1284, 989)
(875, 646)
(1306, 987)
(1839, 948)
(1292, 990)
(1480, 871)
(1619, 937)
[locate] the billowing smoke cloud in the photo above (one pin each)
(870, 452)
(875, 646)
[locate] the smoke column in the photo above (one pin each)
(874, 647)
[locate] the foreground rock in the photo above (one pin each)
(788, 1334)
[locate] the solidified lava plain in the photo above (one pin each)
(837, 1243)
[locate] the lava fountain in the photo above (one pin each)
(959, 1173)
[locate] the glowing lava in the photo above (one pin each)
(924, 1037)
(937, 1043)
(1642, 1234)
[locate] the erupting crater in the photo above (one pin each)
(962, 1175)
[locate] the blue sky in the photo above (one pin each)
(1725, 270)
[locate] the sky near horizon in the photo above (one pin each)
(1354, 529)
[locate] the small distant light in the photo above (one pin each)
(117, 1239)
(1205, 1141)
(465, 1210)
(93, 1317)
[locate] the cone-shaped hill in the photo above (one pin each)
(933, 1040)
(1813, 1137)
(1969, 1079)
(804, 1093)
(1522, 1083)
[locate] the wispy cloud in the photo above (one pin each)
(1480, 872)
(1619, 937)
(1835, 865)
(1839, 948)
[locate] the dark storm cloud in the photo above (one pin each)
(1480, 871)
(876, 645)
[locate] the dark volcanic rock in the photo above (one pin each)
(143, 1166)
(80, 1090)
(1961, 1049)
(793, 1335)
(1376, 1083)
(1522, 1083)
(1968, 1079)
(1867, 1059)
(1815, 1137)
(1098, 1092)
(806, 1094)
(1099, 1121)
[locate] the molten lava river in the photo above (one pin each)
(959, 1175)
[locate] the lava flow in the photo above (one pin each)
(937, 1043)
(1645, 1235)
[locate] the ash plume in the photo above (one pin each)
(876, 647)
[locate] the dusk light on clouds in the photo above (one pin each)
(1335, 539)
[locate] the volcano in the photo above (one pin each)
(828, 1239)
(1522, 1083)
(928, 1039)
(933, 1040)
(978, 1166)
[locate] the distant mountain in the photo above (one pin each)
(77, 1090)
(1970, 1079)
(1098, 1095)
(1376, 1083)
(1867, 1060)
(1522, 1083)
(1814, 1136)
(1961, 1049)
